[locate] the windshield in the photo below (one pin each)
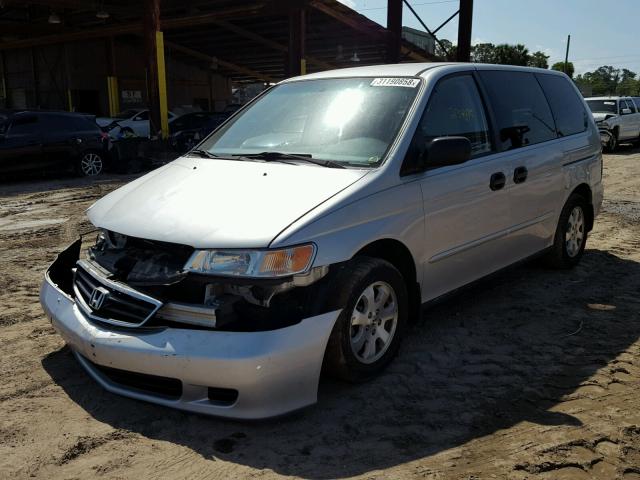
(602, 106)
(350, 120)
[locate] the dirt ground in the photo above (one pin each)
(533, 374)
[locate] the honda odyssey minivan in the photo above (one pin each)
(306, 231)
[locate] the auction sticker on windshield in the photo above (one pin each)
(395, 82)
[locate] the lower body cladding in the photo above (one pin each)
(244, 375)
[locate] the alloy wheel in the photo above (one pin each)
(91, 164)
(373, 322)
(574, 233)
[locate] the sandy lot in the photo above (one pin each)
(533, 374)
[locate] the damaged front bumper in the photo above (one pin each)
(245, 375)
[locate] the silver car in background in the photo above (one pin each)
(306, 231)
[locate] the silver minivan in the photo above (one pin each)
(305, 232)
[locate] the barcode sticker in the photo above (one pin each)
(395, 82)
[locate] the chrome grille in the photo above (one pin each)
(111, 302)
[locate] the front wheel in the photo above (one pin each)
(571, 234)
(367, 334)
(90, 164)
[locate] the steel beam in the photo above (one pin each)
(394, 30)
(465, 22)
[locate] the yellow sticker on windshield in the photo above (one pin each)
(395, 82)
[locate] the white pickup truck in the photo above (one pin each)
(618, 119)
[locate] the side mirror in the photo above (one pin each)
(443, 151)
(626, 111)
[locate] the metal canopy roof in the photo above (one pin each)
(244, 40)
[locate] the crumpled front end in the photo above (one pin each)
(246, 367)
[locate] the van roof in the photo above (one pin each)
(411, 70)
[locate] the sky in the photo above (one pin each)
(603, 32)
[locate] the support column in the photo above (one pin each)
(297, 39)
(465, 21)
(67, 77)
(34, 73)
(162, 86)
(113, 91)
(152, 51)
(3, 81)
(394, 30)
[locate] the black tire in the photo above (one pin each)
(90, 163)
(612, 145)
(356, 276)
(561, 256)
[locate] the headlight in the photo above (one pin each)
(252, 263)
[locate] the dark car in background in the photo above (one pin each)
(33, 141)
(186, 131)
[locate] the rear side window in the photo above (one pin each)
(523, 116)
(455, 109)
(637, 102)
(67, 124)
(24, 125)
(568, 109)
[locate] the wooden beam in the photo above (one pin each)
(131, 28)
(269, 43)
(223, 63)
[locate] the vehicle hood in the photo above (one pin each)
(599, 116)
(210, 203)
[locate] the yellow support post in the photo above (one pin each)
(303, 66)
(114, 100)
(162, 85)
(69, 100)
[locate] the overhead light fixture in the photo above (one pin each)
(102, 14)
(54, 18)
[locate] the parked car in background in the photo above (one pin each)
(44, 141)
(305, 232)
(188, 130)
(618, 119)
(135, 119)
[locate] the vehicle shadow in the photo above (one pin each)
(502, 352)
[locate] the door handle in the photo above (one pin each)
(498, 180)
(520, 175)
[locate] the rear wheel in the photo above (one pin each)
(571, 234)
(90, 164)
(373, 297)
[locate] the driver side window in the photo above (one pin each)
(455, 109)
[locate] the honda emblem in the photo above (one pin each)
(98, 296)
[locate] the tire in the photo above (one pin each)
(571, 234)
(90, 164)
(612, 145)
(363, 342)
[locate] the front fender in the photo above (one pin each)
(393, 213)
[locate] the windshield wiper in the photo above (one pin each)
(303, 157)
(202, 153)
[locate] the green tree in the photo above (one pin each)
(506, 54)
(446, 55)
(483, 53)
(559, 66)
(538, 59)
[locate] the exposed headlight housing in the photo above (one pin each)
(253, 263)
